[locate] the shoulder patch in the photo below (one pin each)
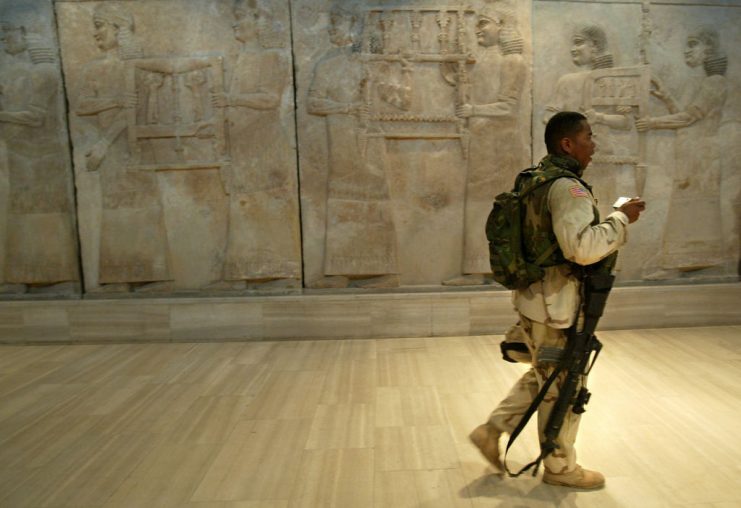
(577, 191)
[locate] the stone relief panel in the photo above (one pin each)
(695, 94)
(412, 115)
(38, 241)
(183, 136)
(404, 108)
(650, 143)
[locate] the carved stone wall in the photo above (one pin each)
(242, 146)
(660, 84)
(38, 240)
(182, 126)
(409, 123)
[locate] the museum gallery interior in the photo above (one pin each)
(243, 258)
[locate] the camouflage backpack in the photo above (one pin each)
(511, 263)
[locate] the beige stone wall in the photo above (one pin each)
(684, 160)
(222, 147)
(38, 240)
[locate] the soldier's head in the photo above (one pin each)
(13, 37)
(569, 133)
(589, 47)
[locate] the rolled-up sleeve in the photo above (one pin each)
(572, 210)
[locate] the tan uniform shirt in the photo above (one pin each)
(555, 299)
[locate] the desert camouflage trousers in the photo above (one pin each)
(509, 412)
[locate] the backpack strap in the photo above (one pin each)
(549, 177)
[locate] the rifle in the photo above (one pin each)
(582, 350)
(577, 359)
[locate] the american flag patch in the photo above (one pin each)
(578, 192)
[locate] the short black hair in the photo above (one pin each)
(563, 124)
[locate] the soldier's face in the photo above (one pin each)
(487, 31)
(245, 24)
(13, 40)
(580, 146)
(695, 52)
(104, 34)
(582, 51)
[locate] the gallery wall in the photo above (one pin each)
(167, 147)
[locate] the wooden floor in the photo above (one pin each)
(356, 423)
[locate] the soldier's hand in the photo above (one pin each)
(633, 209)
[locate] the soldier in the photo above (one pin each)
(564, 212)
(41, 252)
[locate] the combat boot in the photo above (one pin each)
(486, 439)
(579, 478)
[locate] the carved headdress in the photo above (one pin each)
(510, 39)
(715, 62)
(29, 22)
(122, 19)
(596, 35)
(349, 9)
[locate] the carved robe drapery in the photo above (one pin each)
(497, 149)
(360, 235)
(40, 243)
(264, 237)
(693, 238)
(133, 240)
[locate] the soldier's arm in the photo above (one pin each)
(572, 211)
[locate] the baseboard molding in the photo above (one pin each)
(339, 316)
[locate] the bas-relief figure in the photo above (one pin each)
(609, 97)
(388, 94)
(360, 241)
(263, 246)
(497, 150)
(134, 252)
(166, 125)
(369, 93)
(40, 252)
(693, 236)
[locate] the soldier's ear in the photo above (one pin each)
(566, 145)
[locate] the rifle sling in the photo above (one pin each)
(523, 422)
(594, 313)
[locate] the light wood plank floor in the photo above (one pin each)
(356, 423)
